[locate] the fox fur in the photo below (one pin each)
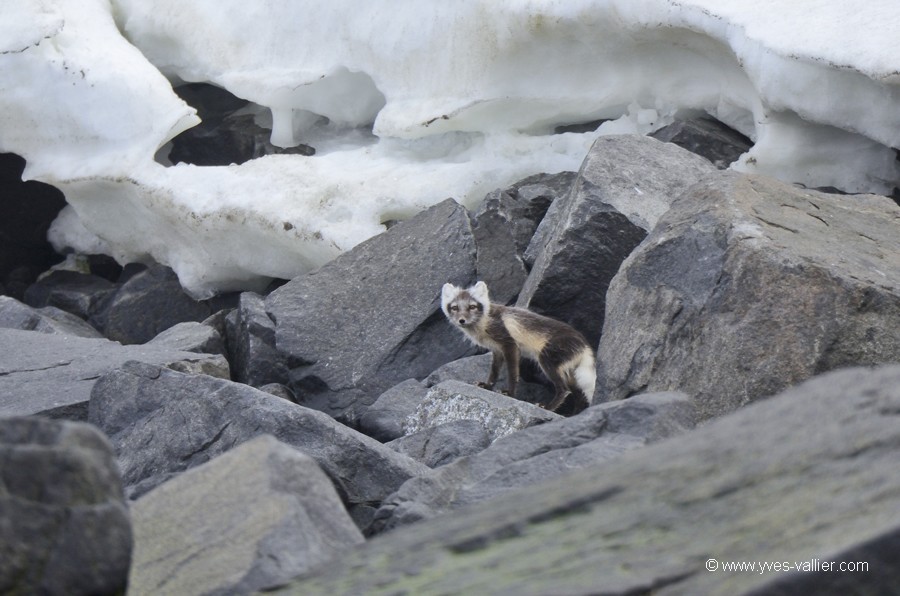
(562, 353)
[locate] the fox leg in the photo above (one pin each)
(511, 355)
(560, 386)
(496, 363)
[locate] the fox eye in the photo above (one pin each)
(454, 308)
(473, 307)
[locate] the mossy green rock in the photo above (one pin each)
(809, 474)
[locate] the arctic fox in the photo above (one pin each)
(562, 352)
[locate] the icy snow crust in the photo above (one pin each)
(462, 97)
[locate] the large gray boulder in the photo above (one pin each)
(748, 286)
(162, 423)
(52, 375)
(371, 318)
(536, 454)
(640, 176)
(64, 526)
(809, 475)
(49, 319)
(624, 184)
(252, 517)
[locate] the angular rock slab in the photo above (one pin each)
(498, 414)
(707, 137)
(748, 286)
(251, 343)
(163, 422)
(64, 526)
(640, 176)
(371, 318)
(255, 516)
(52, 375)
(49, 319)
(807, 474)
(624, 184)
(533, 455)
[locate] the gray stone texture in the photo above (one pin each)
(49, 319)
(52, 375)
(439, 445)
(454, 400)
(532, 456)
(707, 137)
(624, 184)
(251, 343)
(250, 518)
(371, 318)
(748, 286)
(162, 423)
(808, 474)
(64, 525)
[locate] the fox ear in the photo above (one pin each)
(448, 292)
(480, 292)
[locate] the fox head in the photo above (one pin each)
(465, 308)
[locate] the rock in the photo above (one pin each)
(163, 423)
(371, 317)
(531, 456)
(191, 336)
(149, 303)
(279, 390)
(251, 343)
(572, 273)
(498, 414)
(524, 204)
(640, 176)
(64, 526)
(623, 185)
(385, 419)
(252, 517)
(444, 443)
(82, 294)
(748, 286)
(29, 207)
(808, 475)
(475, 369)
(707, 137)
(504, 226)
(52, 375)
(15, 315)
(224, 136)
(497, 258)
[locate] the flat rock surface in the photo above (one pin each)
(54, 374)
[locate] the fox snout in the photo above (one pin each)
(463, 321)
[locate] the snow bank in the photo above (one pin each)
(462, 96)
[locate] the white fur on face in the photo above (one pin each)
(448, 294)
